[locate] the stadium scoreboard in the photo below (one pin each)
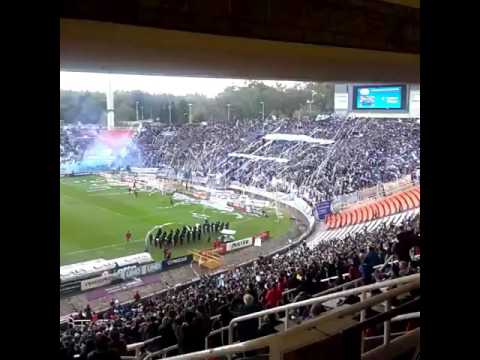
(378, 100)
(384, 97)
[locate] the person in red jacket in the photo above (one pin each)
(272, 297)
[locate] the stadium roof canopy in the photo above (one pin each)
(361, 40)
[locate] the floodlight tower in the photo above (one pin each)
(110, 106)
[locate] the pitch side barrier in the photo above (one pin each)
(123, 273)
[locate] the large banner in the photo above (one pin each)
(152, 268)
(96, 282)
(131, 272)
(235, 245)
(139, 170)
(322, 209)
(179, 261)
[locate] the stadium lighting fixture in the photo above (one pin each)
(310, 102)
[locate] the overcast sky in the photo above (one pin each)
(151, 84)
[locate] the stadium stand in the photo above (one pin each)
(188, 313)
(390, 205)
(365, 152)
(359, 248)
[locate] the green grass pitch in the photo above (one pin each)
(94, 218)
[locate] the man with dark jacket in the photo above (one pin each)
(372, 259)
(201, 322)
(186, 333)
(248, 329)
(102, 351)
(116, 344)
(166, 331)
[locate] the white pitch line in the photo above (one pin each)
(108, 194)
(101, 247)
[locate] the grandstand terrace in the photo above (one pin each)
(311, 211)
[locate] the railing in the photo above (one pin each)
(403, 317)
(287, 293)
(362, 291)
(78, 322)
(273, 342)
(161, 353)
(137, 347)
(344, 286)
(221, 330)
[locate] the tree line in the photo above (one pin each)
(235, 102)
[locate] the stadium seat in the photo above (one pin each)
(387, 206)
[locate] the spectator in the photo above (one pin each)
(248, 329)
(166, 331)
(269, 324)
(102, 351)
(117, 344)
(186, 333)
(272, 297)
(372, 259)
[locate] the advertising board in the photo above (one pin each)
(239, 244)
(322, 209)
(179, 261)
(96, 282)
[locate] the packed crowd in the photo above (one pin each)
(365, 152)
(183, 316)
(74, 141)
(196, 148)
